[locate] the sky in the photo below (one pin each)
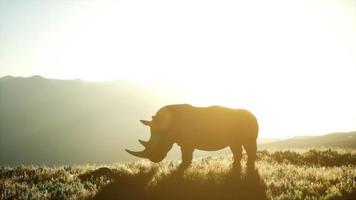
(292, 63)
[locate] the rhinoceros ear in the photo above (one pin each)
(145, 122)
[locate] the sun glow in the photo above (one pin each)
(293, 63)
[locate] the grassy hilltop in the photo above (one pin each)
(302, 174)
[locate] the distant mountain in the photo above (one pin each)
(71, 121)
(266, 140)
(50, 121)
(347, 140)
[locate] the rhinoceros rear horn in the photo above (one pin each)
(141, 154)
(145, 122)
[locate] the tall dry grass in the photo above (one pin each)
(287, 174)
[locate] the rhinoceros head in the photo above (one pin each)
(160, 142)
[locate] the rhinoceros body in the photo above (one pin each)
(204, 128)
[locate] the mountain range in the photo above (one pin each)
(50, 121)
(343, 139)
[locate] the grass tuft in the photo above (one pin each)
(328, 174)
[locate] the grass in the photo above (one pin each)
(294, 174)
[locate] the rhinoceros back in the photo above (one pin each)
(210, 128)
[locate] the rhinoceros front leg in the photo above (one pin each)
(237, 152)
(187, 156)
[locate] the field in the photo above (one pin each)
(287, 174)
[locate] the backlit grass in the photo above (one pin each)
(308, 174)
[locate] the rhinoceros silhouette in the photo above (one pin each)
(203, 128)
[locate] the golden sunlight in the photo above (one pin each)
(185, 99)
(287, 61)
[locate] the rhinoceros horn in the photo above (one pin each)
(141, 154)
(145, 122)
(144, 143)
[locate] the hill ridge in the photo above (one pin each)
(336, 139)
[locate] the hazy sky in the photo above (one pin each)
(293, 63)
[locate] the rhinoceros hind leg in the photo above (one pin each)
(237, 152)
(251, 149)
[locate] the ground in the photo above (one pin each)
(279, 174)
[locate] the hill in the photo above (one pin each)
(49, 121)
(345, 140)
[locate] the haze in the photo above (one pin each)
(292, 63)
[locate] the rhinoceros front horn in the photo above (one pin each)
(144, 143)
(141, 154)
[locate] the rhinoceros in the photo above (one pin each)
(203, 128)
